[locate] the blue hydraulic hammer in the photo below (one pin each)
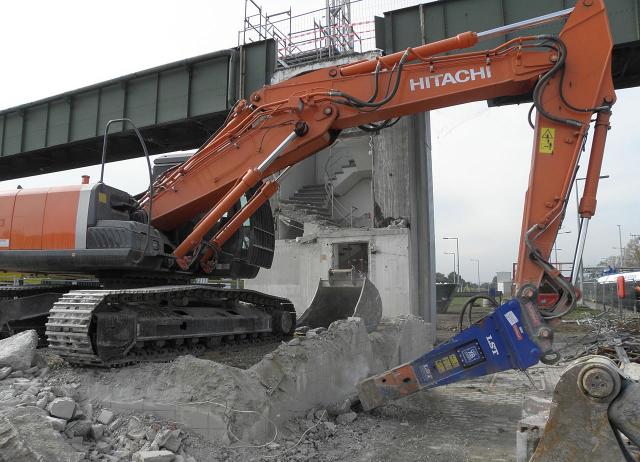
(514, 336)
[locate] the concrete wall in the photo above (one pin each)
(358, 196)
(298, 266)
(402, 187)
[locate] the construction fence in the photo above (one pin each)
(605, 295)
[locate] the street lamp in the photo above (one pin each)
(477, 260)
(455, 276)
(555, 246)
(621, 248)
(555, 249)
(456, 268)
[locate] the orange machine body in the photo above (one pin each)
(39, 219)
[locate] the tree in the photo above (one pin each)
(451, 278)
(613, 261)
(632, 252)
(631, 256)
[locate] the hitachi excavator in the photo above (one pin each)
(211, 216)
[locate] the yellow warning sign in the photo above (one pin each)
(547, 137)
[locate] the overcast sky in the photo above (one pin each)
(481, 155)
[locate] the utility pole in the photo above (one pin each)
(455, 276)
(477, 260)
(456, 269)
(621, 249)
(555, 245)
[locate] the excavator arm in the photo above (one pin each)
(568, 76)
(569, 79)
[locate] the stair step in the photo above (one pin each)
(313, 187)
(315, 211)
(296, 201)
(309, 195)
(299, 205)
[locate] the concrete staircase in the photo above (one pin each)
(309, 204)
(347, 177)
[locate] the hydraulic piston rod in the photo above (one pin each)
(248, 181)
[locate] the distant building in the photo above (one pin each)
(504, 282)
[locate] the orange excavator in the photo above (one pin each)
(211, 215)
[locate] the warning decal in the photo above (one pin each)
(547, 137)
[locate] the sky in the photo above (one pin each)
(481, 155)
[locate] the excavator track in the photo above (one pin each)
(24, 307)
(163, 322)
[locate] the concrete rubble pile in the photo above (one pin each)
(157, 412)
(43, 420)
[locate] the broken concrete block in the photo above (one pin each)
(97, 430)
(4, 372)
(17, 351)
(33, 389)
(154, 456)
(330, 427)
(105, 417)
(113, 426)
(169, 439)
(122, 454)
(340, 407)
(27, 435)
(173, 442)
(65, 391)
(28, 398)
(31, 370)
(78, 428)
(344, 419)
(102, 447)
(58, 424)
(62, 408)
(42, 402)
(294, 342)
(152, 432)
(136, 430)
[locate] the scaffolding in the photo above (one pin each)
(341, 27)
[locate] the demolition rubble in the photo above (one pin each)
(194, 408)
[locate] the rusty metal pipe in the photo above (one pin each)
(463, 40)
